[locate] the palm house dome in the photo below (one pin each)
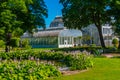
(57, 22)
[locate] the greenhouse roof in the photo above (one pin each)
(47, 33)
(61, 33)
(56, 29)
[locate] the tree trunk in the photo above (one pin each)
(101, 36)
(96, 19)
(7, 45)
(6, 48)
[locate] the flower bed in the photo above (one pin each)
(26, 70)
(75, 61)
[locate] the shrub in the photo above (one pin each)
(96, 52)
(25, 43)
(88, 48)
(2, 43)
(81, 61)
(93, 45)
(14, 42)
(115, 42)
(75, 60)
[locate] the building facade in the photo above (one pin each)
(92, 31)
(108, 34)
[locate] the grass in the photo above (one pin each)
(103, 69)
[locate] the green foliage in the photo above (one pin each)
(17, 32)
(2, 43)
(93, 45)
(2, 33)
(88, 48)
(95, 52)
(104, 69)
(79, 14)
(15, 42)
(77, 61)
(28, 70)
(86, 38)
(18, 16)
(39, 10)
(9, 20)
(81, 61)
(115, 42)
(25, 43)
(115, 5)
(112, 49)
(12, 14)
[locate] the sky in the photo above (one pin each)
(54, 9)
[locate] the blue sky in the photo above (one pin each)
(54, 9)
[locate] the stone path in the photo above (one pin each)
(109, 55)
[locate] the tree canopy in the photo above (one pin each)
(115, 13)
(81, 13)
(17, 16)
(21, 14)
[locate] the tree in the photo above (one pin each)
(37, 11)
(20, 15)
(81, 13)
(115, 11)
(8, 19)
(15, 42)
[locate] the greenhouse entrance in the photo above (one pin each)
(69, 38)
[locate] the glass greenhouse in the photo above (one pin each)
(55, 36)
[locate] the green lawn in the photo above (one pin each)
(104, 69)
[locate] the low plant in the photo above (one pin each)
(80, 62)
(26, 70)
